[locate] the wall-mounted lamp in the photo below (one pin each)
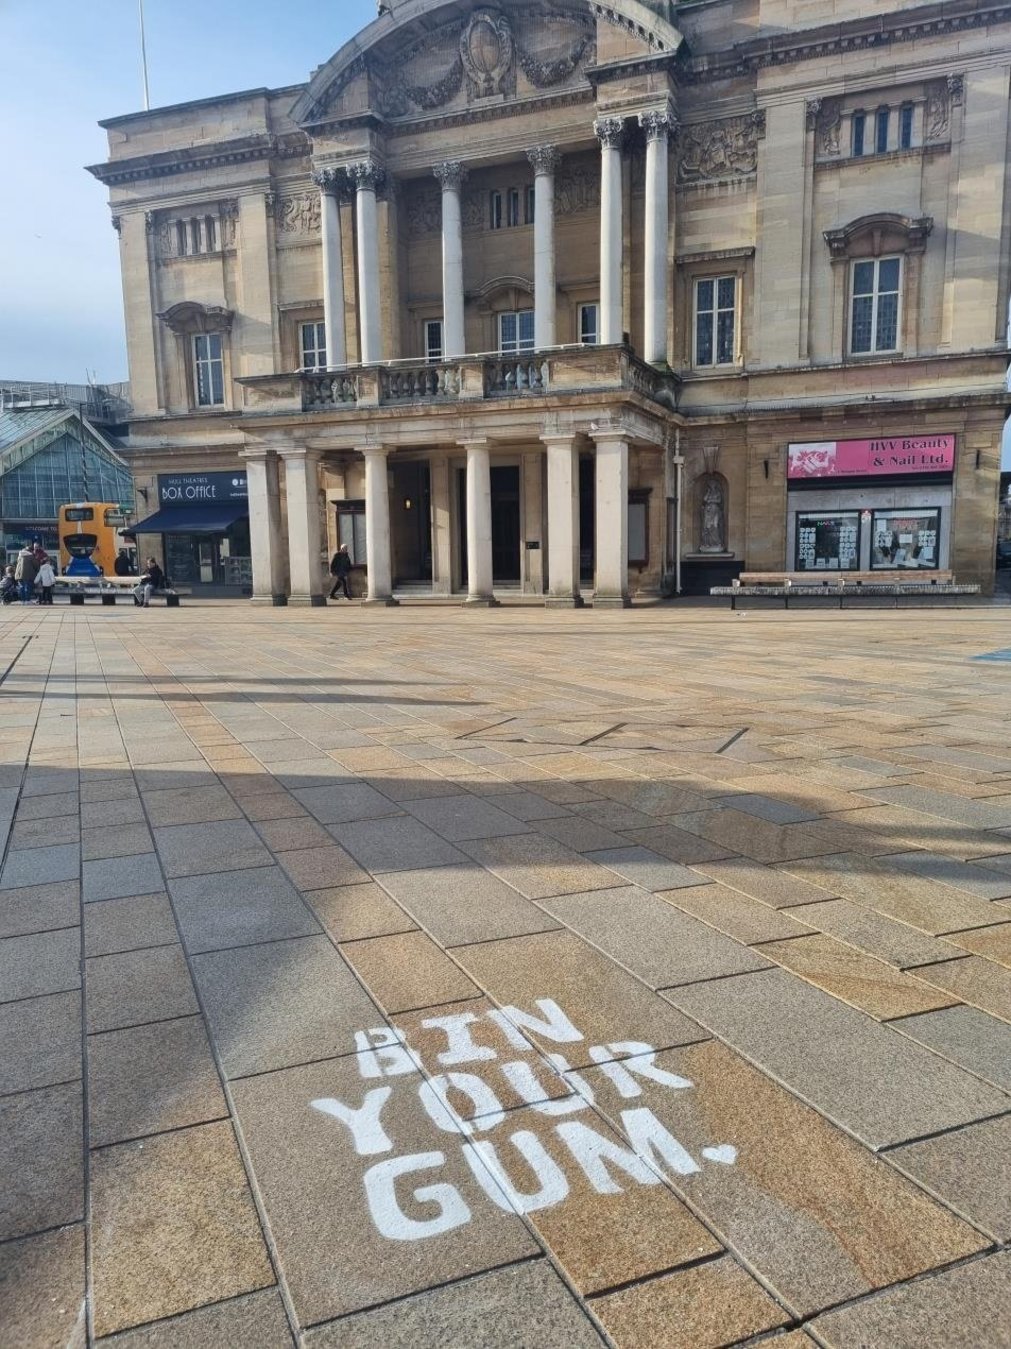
(765, 465)
(407, 503)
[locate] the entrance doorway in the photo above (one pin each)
(587, 531)
(411, 522)
(505, 524)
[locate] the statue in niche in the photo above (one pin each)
(713, 533)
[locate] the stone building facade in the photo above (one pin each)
(573, 297)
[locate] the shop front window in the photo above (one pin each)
(904, 540)
(829, 541)
(351, 530)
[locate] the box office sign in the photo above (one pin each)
(870, 458)
(194, 489)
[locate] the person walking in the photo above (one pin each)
(340, 570)
(152, 580)
(47, 579)
(123, 566)
(25, 571)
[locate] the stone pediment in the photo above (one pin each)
(426, 57)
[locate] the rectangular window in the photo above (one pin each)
(531, 205)
(829, 541)
(905, 540)
(858, 130)
(210, 233)
(516, 331)
(351, 530)
(209, 369)
(181, 238)
(433, 340)
(881, 121)
(495, 210)
(906, 127)
(514, 206)
(715, 320)
(313, 344)
(874, 322)
(589, 324)
(195, 235)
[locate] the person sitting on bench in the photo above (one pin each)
(153, 579)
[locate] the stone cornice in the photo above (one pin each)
(201, 158)
(940, 19)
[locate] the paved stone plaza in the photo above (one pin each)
(510, 978)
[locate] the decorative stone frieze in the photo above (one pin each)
(577, 189)
(725, 149)
(298, 214)
(545, 74)
(487, 52)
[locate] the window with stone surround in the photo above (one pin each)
(876, 296)
(312, 345)
(208, 370)
(715, 321)
(516, 331)
(589, 324)
(433, 340)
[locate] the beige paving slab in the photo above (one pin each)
(537, 866)
(313, 1182)
(932, 907)
(407, 971)
(966, 1036)
(962, 1308)
(399, 844)
(663, 945)
(676, 844)
(45, 962)
(281, 1003)
(40, 1042)
(751, 837)
(115, 840)
(150, 1079)
(508, 1305)
(254, 1318)
(42, 1286)
(39, 908)
(173, 1227)
(289, 835)
(969, 1169)
(770, 886)
(132, 988)
(128, 924)
(902, 829)
(463, 904)
(863, 1075)
(222, 845)
(745, 919)
(715, 1303)
(353, 912)
(238, 908)
(41, 1160)
(861, 980)
(980, 982)
(887, 939)
(992, 942)
(603, 1003)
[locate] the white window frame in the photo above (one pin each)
(517, 346)
(875, 350)
(208, 363)
(312, 354)
(434, 349)
(581, 337)
(717, 309)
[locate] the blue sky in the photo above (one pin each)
(65, 64)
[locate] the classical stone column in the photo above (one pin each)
(563, 522)
(610, 131)
(442, 539)
(378, 554)
(452, 176)
(545, 159)
(367, 176)
(479, 575)
(265, 535)
(658, 127)
(301, 479)
(329, 182)
(611, 581)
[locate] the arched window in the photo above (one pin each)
(877, 284)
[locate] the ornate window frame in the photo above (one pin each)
(878, 235)
(190, 319)
(695, 267)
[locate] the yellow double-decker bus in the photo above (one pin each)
(89, 537)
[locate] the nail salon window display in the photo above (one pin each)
(905, 540)
(828, 541)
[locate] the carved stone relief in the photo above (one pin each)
(942, 96)
(298, 214)
(724, 149)
(487, 51)
(577, 188)
(828, 126)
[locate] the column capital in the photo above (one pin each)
(610, 131)
(374, 451)
(452, 174)
(658, 123)
(331, 180)
(544, 158)
(606, 433)
(296, 454)
(474, 443)
(367, 174)
(259, 454)
(550, 438)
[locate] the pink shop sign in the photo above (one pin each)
(865, 458)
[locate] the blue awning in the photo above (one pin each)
(212, 519)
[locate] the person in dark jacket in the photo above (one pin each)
(153, 579)
(123, 566)
(340, 570)
(25, 571)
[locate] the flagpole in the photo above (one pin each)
(143, 57)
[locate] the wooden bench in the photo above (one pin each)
(840, 584)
